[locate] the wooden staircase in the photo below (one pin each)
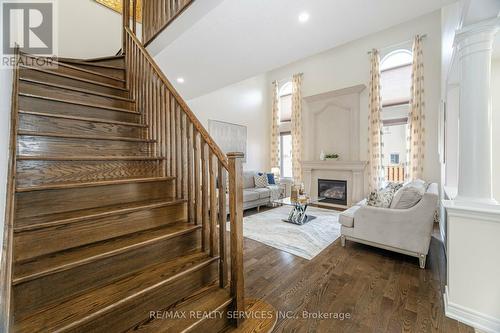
(117, 209)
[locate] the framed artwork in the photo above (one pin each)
(229, 137)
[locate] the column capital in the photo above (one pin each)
(478, 36)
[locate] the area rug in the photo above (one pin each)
(305, 241)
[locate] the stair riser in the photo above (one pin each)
(52, 78)
(126, 316)
(60, 108)
(118, 73)
(120, 62)
(78, 73)
(34, 173)
(33, 295)
(30, 244)
(71, 199)
(54, 92)
(47, 124)
(64, 147)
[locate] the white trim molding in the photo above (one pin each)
(473, 251)
(470, 317)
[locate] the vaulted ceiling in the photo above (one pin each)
(238, 39)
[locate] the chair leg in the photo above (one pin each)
(342, 240)
(421, 259)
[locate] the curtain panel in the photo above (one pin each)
(275, 132)
(416, 117)
(297, 128)
(375, 170)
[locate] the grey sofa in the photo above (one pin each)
(406, 231)
(254, 197)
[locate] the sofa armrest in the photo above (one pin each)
(409, 229)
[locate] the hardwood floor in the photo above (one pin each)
(381, 291)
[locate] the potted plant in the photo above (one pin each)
(333, 156)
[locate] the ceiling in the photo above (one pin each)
(239, 39)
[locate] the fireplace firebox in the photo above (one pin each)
(332, 191)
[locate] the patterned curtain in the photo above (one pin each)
(297, 128)
(416, 117)
(275, 131)
(375, 171)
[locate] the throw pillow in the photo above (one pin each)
(260, 181)
(394, 186)
(270, 179)
(381, 198)
(407, 197)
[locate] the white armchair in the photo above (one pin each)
(406, 231)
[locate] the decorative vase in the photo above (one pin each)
(322, 155)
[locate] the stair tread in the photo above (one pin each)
(81, 136)
(50, 220)
(71, 77)
(58, 63)
(204, 301)
(88, 306)
(89, 119)
(121, 56)
(82, 90)
(86, 63)
(68, 101)
(92, 184)
(61, 261)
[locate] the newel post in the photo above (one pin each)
(236, 222)
(125, 22)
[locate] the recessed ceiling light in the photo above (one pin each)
(180, 80)
(303, 17)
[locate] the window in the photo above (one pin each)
(286, 103)
(285, 106)
(395, 158)
(395, 81)
(286, 155)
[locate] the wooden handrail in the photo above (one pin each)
(196, 163)
(187, 110)
(158, 14)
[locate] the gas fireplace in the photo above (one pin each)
(332, 191)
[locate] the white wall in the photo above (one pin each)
(348, 65)
(495, 93)
(244, 103)
(87, 29)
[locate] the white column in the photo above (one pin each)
(475, 44)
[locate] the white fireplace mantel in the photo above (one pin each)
(353, 172)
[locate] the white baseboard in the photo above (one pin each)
(470, 317)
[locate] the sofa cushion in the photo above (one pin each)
(250, 195)
(248, 181)
(260, 180)
(381, 198)
(417, 183)
(346, 218)
(263, 192)
(407, 197)
(270, 179)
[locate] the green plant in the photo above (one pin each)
(331, 155)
